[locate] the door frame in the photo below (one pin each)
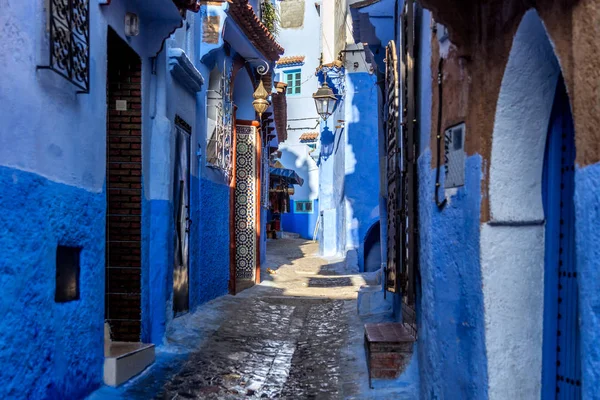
(232, 187)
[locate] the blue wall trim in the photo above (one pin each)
(157, 289)
(49, 350)
(452, 352)
(211, 279)
(587, 219)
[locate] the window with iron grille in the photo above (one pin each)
(69, 41)
(294, 81)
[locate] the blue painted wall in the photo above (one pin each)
(213, 275)
(301, 223)
(587, 217)
(361, 168)
(47, 349)
(451, 347)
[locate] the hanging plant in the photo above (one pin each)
(270, 17)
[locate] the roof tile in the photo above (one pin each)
(243, 14)
(309, 136)
(290, 60)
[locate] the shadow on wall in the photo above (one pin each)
(327, 140)
(372, 248)
(362, 162)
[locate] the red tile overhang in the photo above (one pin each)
(258, 34)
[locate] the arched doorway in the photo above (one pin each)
(372, 246)
(520, 280)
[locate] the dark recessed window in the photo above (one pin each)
(67, 274)
(303, 207)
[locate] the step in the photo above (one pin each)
(124, 360)
(389, 348)
(290, 235)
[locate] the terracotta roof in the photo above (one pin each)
(279, 100)
(243, 14)
(290, 60)
(309, 136)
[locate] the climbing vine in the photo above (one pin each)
(270, 17)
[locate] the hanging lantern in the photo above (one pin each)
(260, 103)
(325, 100)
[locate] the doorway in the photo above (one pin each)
(562, 365)
(123, 191)
(181, 200)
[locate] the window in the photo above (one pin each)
(69, 41)
(303, 207)
(67, 274)
(294, 81)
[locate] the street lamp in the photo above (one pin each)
(324, 100)
(260, 103)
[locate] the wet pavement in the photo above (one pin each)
(283, 339)
(295, 336)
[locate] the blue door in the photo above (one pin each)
(561, 373)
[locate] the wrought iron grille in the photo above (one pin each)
(392, 99)
(409, 145)
(220, 144)
(69, 52)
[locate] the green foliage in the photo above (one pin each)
(270, 17)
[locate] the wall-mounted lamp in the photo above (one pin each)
(132, 24)
(325, 100)
(260, 103)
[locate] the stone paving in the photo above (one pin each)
(295, 336)
(283, 339)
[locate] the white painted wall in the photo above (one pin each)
(521, 125)
(512, 267)
(302, 115)
(512, 245)
(296, 157)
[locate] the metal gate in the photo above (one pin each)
(562, 363)
(181, 200)
(393, 168)
(402, 147)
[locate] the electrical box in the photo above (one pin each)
(454, 151)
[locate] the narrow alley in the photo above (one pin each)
(299, 199)
(295, 336)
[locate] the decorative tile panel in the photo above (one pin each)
(245, 202)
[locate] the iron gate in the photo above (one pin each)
(393, 168)
(402, 146)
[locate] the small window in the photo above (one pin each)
(303, 207)
(294, 81)
(67, 274)
(454, 144)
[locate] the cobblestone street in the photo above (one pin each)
(295, 336)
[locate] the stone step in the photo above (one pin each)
(290, 235)
(389, 348)
(124, 360)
